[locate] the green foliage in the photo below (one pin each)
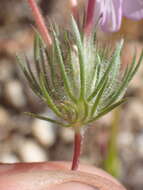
(112, 164)
(78, 80)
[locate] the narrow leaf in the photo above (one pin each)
(49, 100)
(81, 57)
(62, 67)
(106, 110)
(45, 118)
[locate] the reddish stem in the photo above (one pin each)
(77, 150)
(40, 22)
(89, 16)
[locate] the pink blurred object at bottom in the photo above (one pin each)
(53, 175)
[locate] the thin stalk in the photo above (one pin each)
(78, 138)
(40, 22)
(112, 163)
(89, 16)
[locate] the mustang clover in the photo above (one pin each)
(77, 79)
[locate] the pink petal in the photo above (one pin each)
(112, 15)
(133, 9)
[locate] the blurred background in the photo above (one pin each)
(114, 143)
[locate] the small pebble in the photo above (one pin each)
(67, 135)
(9, 158)
(125, 139)
(136, 177)
(14, 94)
(126, 143)
(44, 132)
(139, 145)
(6, 70)
(135, 110)
(4, 117)
(30, 151)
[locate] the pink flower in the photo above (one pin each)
(109, 13)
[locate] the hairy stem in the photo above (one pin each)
(40, 22)
(78, 138)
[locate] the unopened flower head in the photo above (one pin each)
(76, 78)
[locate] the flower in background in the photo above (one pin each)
(109, 13)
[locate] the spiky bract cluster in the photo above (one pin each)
(79, 81)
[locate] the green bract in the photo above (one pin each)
(77, 79)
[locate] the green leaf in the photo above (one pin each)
(136, 67)
(129, 73)
(116, 59)
(32, 82)
(99, 96)
(99, 86)
(86, 112)
(37, 58)
(81, 57)
(49, 100)
(62, 67)
(51, 59)
(106, 110)
(46, 119)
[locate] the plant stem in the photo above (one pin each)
(89, 16)
(78, 138)
(40, 22)
(112, 162)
